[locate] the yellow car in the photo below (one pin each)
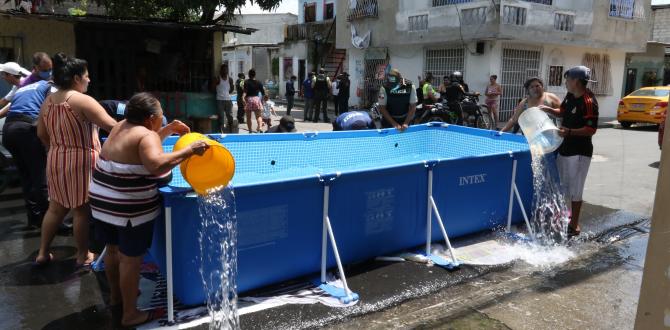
(645, 105)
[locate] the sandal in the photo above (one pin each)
(86, 264)
(152, 315)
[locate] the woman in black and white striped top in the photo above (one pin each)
(124, 196)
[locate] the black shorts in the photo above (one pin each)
(132, 241)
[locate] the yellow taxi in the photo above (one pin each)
(645, 105)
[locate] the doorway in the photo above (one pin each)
(631, 80)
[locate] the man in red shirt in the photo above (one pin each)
(579, 113)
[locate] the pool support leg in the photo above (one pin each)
(432, 207)
(514, 192)
(99, 264)
(345, 295)
(168, 264)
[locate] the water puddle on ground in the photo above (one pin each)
(549, 218)
(218, 256)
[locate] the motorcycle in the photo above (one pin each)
(475, 114)
(438, 112)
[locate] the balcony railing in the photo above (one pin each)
(364, 8)
(514, 15)
(308, 31)
(542, 2)
(438, 3)
(629, 9)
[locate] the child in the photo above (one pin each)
(268, 111)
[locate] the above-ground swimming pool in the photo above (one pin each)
(377, 204)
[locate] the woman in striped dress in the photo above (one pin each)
(68, 127)
(125, 201)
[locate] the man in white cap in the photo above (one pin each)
(12, 73)
(579, 113)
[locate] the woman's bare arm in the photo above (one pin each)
(92, 110)
(159, 162)
(515, 117)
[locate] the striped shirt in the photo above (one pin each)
(125, 193)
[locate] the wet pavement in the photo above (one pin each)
(597, 289)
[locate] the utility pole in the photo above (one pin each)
(653, 309)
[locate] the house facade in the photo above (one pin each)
(243, 52)
(651, 67)
(310, 43)
(514, 39)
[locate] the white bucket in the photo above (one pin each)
(540, 130)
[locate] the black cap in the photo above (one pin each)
(579, 72)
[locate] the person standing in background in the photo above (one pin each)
(253, 91)
(493, 92)
(239, 89)
(19, 136)
(12, 73)
(42, 66)
(224, 105)
(322, 87)
(343, 87)
(290, 94)
(308, 94)
(334, 91)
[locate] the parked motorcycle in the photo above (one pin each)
(475, 114)
(438, 112)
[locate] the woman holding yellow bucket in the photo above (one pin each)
(124, 196)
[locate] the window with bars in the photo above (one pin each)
(518, 64)
(418, 23)
(627, 9)
(364, 8)
(601, 73)
(564, 22)
(442, 62)
(555, 74)
(473, 16)
(373, 80)
(437, 3)
(514, 15)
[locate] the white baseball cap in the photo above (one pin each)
(14, 69)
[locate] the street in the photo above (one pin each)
(596, 289)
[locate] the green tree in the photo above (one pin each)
(187, 11)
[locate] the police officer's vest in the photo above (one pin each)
(425, 99)
(321, 85)
(398, 97)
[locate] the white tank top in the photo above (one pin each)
(223, 90)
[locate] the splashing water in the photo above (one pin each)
(218, 256)
(550, 215)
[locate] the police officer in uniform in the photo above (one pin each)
(321, 85)
(397, 101)
(454, 94)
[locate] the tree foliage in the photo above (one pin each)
(193, 11)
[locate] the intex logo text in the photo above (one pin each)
(472, 179)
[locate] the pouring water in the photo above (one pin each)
(550, 215)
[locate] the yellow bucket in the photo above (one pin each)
(214, 168)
